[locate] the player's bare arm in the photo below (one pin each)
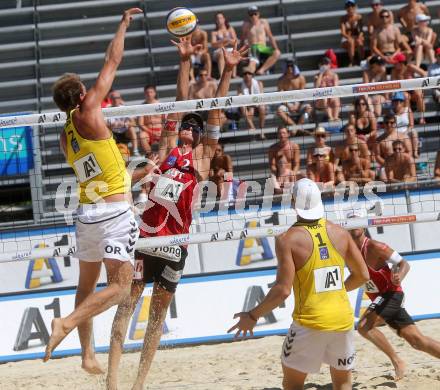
(278, 292)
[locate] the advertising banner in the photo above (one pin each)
(201, 311)
(16, 153)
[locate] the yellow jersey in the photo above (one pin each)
(321, 301)
(98, 165)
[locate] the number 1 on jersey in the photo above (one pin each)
(320, 242)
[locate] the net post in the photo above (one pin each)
(36, 177)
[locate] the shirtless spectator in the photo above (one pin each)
(320, 138)
(375, 72)
(284, 177)
(324, 79)
(150, 126)
(404, 71)
(255, 32)
(407, 15)
(249, 86)
(286, 148)
(342, 152)
(203, 87)
(201, 58)
(423, 40)
(384, 144)
(386, 41)
(355, 168)
(320, 170)
(433, 71)
(400, 166)
(351, 31)
(124, 128)
(221, 170)
(223, 36)
(292, 80)
(374, 21)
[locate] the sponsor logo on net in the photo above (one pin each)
(8, 122)
(376, 88)
(165, 107)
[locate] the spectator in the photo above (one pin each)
(405, 120)
(107, 102)
(124, 128)
(203, 87)
(225, 36)
(201, 59)
(320, 138)
(403, 71)
(437, 166)
(150, 126)
(287, 149)
(423, 38)
(355, 168)
(250, 86)
(374, 73)
(351, 139)
(400, 166)
(327, 78)
(255, 33)
(221, 170)
(351, 31)
(321, 170)
(284, 177)
(374, 21)
(292, 80)
(384, 144)
(386, 40)
(364, 121)
(433, 71)
(407, 15)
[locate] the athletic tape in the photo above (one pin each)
(233, 101)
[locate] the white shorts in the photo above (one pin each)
(305, 349)
(106, 231)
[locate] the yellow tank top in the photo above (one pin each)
(98, 165)
(321, 301)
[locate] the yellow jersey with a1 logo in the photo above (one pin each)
(321, 301)
(98, 165)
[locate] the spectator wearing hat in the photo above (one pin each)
(324, 79)
(375, 72)
(404, 71)
(321, 170)
(292, 112)
(374, 21)
(423, 36)
(386, 41)
(405, 120)
(320, 136)
(351, 31)
(400, 166)
(250, 86)
(255, 31)
(407, 15)
(433, 71)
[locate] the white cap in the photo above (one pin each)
(422, 18)
(308, 202)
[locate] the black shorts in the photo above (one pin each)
(389, 307)
(160, 268)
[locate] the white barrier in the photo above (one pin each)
(193, 317)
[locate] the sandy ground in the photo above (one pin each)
(246, 365)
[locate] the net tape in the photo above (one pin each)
(199, 238)
(233, 101)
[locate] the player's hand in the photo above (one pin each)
(186, 48)
(234, 57)
(395, 279)
(152, 162)
(127, 17)
(244, 325)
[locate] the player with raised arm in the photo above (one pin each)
(311, 257)
(106, 230)
(387, 269)
(169, 212)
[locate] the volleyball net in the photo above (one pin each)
(378, 160)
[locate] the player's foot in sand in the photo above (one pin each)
(92, 366)
(400, 368)
(58, 335)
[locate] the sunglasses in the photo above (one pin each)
(384, 16)
(320, 136)
(361, 104)
(397, 149)
(390, 122)
(203, 74)
(319, 155)
(253, 13)
(376, 5)
(354, 150)
(187, 126)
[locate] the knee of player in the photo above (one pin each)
(277, 53)
(416, 341)
(363, 327)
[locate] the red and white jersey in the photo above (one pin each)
(169, 207)
(380, 280)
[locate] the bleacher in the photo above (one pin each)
(42, 39)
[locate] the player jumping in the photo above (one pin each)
(169, 212)
(386, 293)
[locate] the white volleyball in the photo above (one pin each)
(181, 21)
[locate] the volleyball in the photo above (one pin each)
(181, 21)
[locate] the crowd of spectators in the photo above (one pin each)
(379, 141)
